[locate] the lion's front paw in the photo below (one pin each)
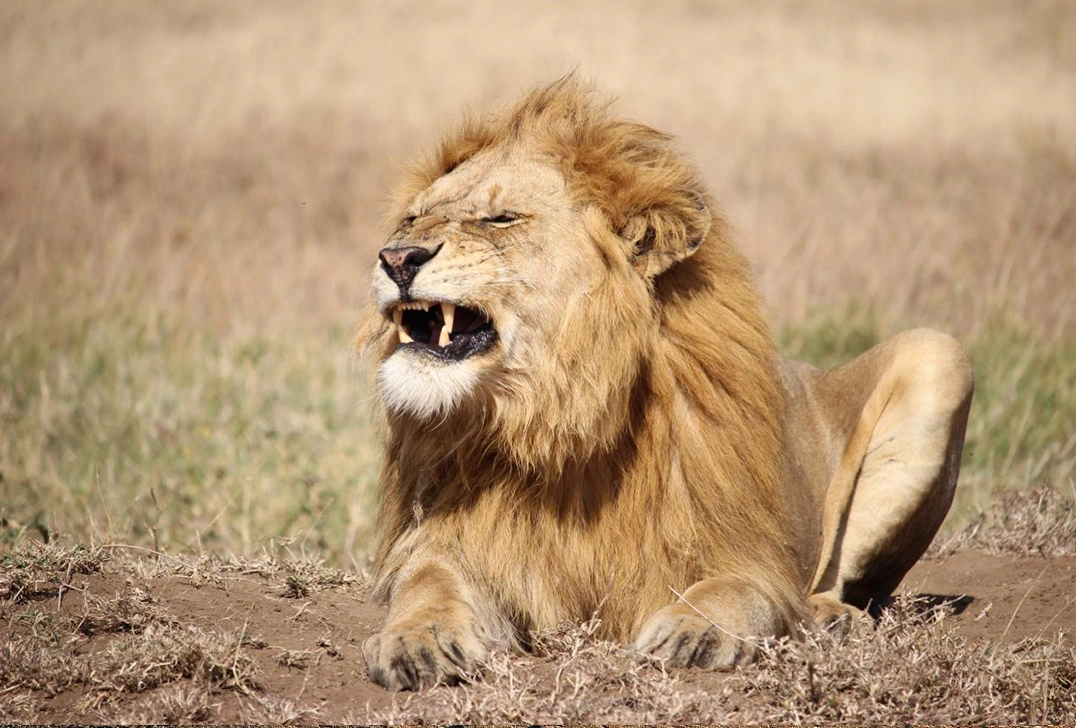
(682, 638)
(410, 658)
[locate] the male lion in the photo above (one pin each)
(586, 413)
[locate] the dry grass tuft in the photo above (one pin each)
(267, 709)
(178, 704)
(33, 664)
(130, 610)
(1038, 522)
(35, 570)
(17, 705)
(298, 574)
(911, 668)
(162, 654)
(295, 587)
(304, 576)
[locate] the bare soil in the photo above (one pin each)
(308, 662)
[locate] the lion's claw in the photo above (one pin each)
(412, 659)
(689, 640)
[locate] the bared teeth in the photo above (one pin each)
(397, 318)
(415, 305)
(448, 313)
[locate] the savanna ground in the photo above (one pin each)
(189, 195)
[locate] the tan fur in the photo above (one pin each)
(634, 434)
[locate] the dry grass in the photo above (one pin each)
(1040, 522)
(161, 653)
(919, 157)
(35, 570)
(130, 610)
(298, 659)
(124, 655)
(908, 668)
(918, 672)
(574, 679)
(174, 705)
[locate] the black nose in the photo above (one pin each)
(402, 264)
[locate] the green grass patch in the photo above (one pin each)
(116, 425)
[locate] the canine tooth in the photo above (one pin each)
(444, 339)
(405, 338)
(448, 310)
(397, 316)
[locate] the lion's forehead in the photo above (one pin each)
(493, 182)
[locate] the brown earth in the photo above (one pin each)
(309, 665)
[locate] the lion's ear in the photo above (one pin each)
(664, 234)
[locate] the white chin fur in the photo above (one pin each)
(415, 383)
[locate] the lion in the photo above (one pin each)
(586, 413)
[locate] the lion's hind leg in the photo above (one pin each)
(895, 481)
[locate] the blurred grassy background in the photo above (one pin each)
(189, 195)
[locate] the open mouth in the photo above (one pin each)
(444, 329)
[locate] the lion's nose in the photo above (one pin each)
(402, 264)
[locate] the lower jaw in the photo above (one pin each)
(457, 351)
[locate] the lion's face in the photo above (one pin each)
(488, 282)
(522, 290)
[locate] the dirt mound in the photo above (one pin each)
(257, 642)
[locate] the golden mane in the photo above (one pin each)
(685, 421)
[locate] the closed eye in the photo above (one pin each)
(502, 220)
